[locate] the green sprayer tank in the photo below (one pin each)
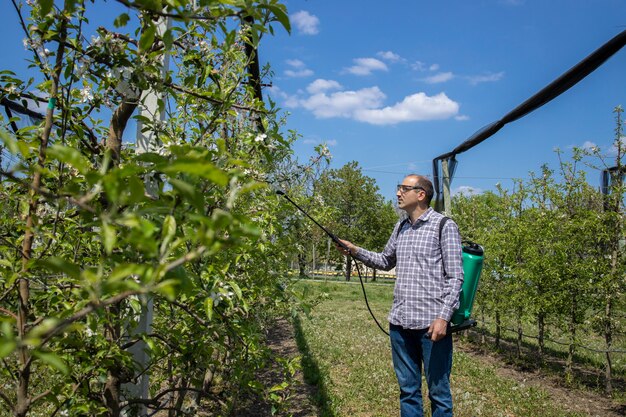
(473, 256)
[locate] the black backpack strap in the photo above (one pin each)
(441, 224)
(401, 226)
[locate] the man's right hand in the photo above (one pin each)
(352, 249)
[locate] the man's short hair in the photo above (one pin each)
(426, 184)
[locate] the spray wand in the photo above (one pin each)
(340, 243)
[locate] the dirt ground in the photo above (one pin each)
(302, 404)
(282, 341)
(574, 400)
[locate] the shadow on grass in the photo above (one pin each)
(312, 373)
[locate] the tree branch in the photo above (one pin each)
(47, 194)
(7, 400)
(173, 15)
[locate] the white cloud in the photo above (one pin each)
(389, 56)
(275, 91)
(343, 103)
(326, 99)
(466, 190)
(613, 150)
(416, 107)
(589, 145)
(321, 85)
(365, 66)
(295, 63)
(485, 78)
(305, 22)
(434, 67)
(441, 77)
(461, 117)
(298, 70)
(418, 66)
(305, 72)
(314, 141)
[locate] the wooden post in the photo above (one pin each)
(447, 205)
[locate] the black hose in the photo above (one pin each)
(338, 242)
(358, 270)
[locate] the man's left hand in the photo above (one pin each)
(438, 329)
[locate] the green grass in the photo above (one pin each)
(349, 359)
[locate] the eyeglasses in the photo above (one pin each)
(404, 188)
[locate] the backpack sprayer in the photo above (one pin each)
(473, 256)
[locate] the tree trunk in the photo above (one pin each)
(115, 372)
(608, 338)
(482, 330)
(373, 274)
(569, 371)
(348, 268)
(119, 119)
(520, 333)
(541, 324)
(23, 401)
(498, 329)
(301, 266)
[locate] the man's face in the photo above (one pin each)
(409, 197)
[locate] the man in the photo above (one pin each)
(429, 277)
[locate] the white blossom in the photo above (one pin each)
(260, 138)
(86, 95)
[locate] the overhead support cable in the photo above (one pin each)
(545, 95)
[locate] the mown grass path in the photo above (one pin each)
(348, 358)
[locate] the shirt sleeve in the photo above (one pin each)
(384, 260)
(452, 254)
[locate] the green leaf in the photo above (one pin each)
(188, 191)
(153, 157)
(201, 169)
(7, 341)
(125, 270)
(208, 306)
(167, 288)
(109, 237)
(12, 144)
(60, 265)
(147, 38)
(281, 15)
(168, 39)
(236, 289)
(135, 305)
(53, 360)
(167, 233)
(45, 6)
(7, 346)
(121, 20)
(279, 387)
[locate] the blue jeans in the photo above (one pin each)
(411, 348)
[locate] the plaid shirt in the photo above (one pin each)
(422, 293)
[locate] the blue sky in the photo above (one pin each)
(394, 84)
